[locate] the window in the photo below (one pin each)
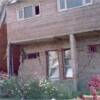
(74, 3)
(33, 55)
(20, 14)
(68, 71)
(28, 12)
(92, 48)
(67, 4)
(53, 65)
(37, 10)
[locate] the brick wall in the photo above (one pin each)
(3, 44)
(89, 62)
(37, 68)
(51, 22)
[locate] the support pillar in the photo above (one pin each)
(8, 65)
(9, 60)
(74, 58)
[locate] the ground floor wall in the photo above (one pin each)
(88, 51)
(88, 60)
(37, 68)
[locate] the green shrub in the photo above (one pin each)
(34, 90)
(9, 88)
(49, 90)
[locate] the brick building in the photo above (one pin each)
(54, 39)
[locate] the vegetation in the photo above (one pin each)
(34, 89)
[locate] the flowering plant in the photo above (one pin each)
(94, 85)
(48, 88)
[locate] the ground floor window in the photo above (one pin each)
(68, 71)
(53, 65)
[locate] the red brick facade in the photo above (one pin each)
(3, 45)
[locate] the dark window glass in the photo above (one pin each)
(37, 10)
(33, 55)
(92, 48)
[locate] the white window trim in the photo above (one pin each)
(17, 12)
(21, 19)
(84, 4)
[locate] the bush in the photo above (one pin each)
(9, 88)
(33, 90)
(49, 90)
(64, 93)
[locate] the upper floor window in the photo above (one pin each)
(28, 12)
(67, 4)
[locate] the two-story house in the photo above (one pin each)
(54, 40)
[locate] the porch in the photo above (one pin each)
(32, 61)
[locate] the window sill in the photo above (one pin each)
(28, 19)
(53, 79)
(69, 78)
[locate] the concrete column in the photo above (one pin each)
(74, 54)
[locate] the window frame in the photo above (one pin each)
(63, 51)
(32, 11)
(47, 63)
(33, 15)
(83, 4)
(17, 12)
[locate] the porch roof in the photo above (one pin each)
(89, 34)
